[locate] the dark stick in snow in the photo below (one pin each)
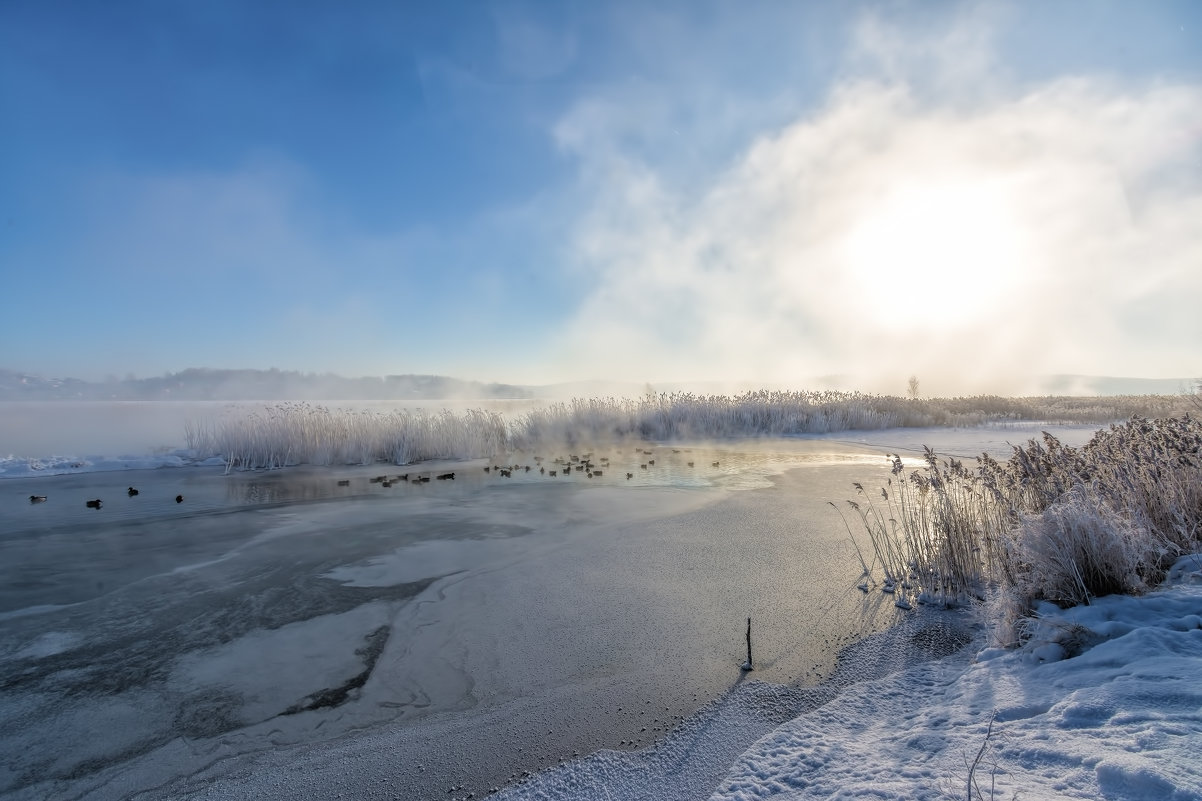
(747, 665)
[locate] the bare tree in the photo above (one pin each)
(912, 386)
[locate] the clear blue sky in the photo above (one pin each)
(541, 191)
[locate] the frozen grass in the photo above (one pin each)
(1052, 523)
(766, 413)
(683, 416)
(301, 433)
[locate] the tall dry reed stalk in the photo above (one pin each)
(1051, 523)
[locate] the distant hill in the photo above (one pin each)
(203, 384)
(198, 384)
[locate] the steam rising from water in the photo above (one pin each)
(928, 218)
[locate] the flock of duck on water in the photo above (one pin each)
(560, 466)
(96, 503)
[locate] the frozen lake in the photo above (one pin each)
(484, 626)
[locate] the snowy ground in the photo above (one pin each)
(1105, 702)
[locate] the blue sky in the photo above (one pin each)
(540, 191)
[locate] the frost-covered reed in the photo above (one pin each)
(1051, 523)
(301, 433)
(765, 413)
(684, 416)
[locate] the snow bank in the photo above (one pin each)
(1104, 701)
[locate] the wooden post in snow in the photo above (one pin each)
(747, 665)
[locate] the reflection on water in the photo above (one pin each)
(698, 467)
(740, 465)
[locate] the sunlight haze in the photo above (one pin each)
(754, 193)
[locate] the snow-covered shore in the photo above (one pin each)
(1105, 701)
(1121, 719)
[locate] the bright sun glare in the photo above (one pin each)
(930, 255)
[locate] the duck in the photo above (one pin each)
(93, 504)
(132, 492)
(37, 498)
(179, 498)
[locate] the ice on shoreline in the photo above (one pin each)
(23, 467)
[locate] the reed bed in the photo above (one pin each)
(302, 433)
(1051, 523)
(685, 416)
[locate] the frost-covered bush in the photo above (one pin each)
(1051, 523)
(1080, 548)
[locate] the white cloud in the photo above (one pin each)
(906, 226)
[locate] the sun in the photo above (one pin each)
(935, 254)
